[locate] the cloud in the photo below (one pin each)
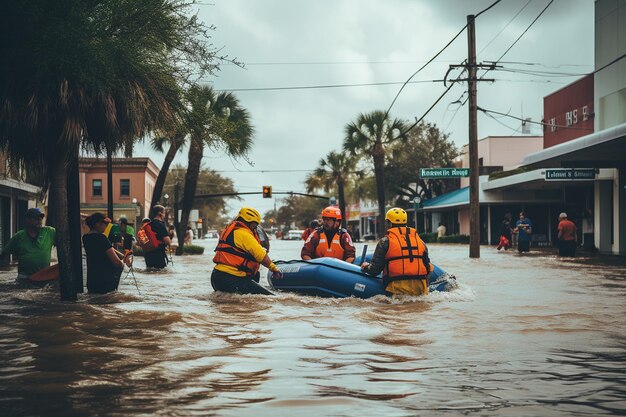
(307, 43)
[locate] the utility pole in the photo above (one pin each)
(474, 251)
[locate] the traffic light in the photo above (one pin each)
(267, 191)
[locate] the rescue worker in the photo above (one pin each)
(330, 240)
(402, 257)
(239, 255)
(307, 232)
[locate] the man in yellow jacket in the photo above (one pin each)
(402, 257)
(239, 255)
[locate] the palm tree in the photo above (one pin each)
(368, 136)
(216, 121)
(334, 170)
(91, 74)
(175, 141)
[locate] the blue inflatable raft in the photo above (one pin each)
(329, 277)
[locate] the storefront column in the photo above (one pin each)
(620, 212)
(603, 215)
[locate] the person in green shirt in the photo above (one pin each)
(128, 234)
(32, 245)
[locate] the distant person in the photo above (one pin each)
(239, 255)
(263, 238)
(104, 267)
(312, 227)
(330, 240)
(523, 229)
(189, 236)
(402, 257)
(566, 236)
(441, 230)
(128, 234)
(158, 236)
(505, 233)
(170, 231)
(32, 246)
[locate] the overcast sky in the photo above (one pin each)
(296, 43)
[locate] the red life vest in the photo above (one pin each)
(226, 253)
(405, 256)
(326, 249)
(147, 238)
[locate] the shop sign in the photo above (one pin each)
(444, 172)
(570, 174)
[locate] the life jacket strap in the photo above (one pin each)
(233, 251)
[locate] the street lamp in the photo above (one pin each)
(166, 198)
(416, 205)
(137, 212)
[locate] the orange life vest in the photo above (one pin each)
(405, 256)
(326, 249)
(147, 238)
(226, 253)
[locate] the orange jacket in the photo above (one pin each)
(226, 253)
(407, 256)
(332, 249)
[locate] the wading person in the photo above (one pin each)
(523, 229)
(128, 234)
(402, 257)
(566, 236)
(307, 232)
(505, 233)
(239, 255)
(154, 238)
(104, 267)
(330, 240)
(31, 246)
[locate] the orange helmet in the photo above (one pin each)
(332, 212)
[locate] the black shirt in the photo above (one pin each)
(102, 274)
(157, 258)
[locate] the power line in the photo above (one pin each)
(519, 37)
(525, 30)
(309, 87)
(504, 27)
(351, 85)
(278, 63)
(533, 122)
(433, 58)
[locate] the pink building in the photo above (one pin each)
(133, 186)
(501, 153)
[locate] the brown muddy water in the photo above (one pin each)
(526, 335)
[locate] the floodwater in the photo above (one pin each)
(528, 335)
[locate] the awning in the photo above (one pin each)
(601, 149)
(454, 198)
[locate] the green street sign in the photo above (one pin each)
(570, 174)
(444, 172)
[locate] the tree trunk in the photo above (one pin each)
(191, 181)
(379, 173)
(74, 221)
(342, 202)
(175, 145)
(58, 187)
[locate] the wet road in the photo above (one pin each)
(523, 335)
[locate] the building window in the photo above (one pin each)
(124, 188)
(96, 188)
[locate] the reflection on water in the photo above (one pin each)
(523, 335)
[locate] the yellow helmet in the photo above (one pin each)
(249, 215)
(396, 216)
